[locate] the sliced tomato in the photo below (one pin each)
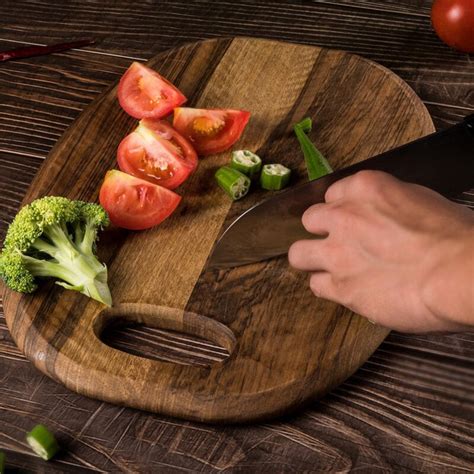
(210, 130)
(155, 151)
(134, 203)
(143, 93)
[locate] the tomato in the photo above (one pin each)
(143, 93)
(453, 21)
(155, 151)
(210, 130)
(134, 203)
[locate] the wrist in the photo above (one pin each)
(448, 290)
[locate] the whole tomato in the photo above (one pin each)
(453, 21)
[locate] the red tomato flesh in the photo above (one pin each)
(155, 151)
(143, 93)
(210, 130)
(134, 203)
(453, 21)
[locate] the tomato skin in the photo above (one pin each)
(134, 203)
(453, 21)
(156, 152)
(143, 93)
(210, 130)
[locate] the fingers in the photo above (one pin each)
(307, 255)
(363, 183)
(319, 218)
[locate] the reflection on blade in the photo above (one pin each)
(267, 229)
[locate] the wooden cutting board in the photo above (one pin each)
(286, 345)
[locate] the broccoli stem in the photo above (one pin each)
(44, 247)
(88, 239)
(78, 233)
(48, 268)
(82, 273)
(74, 263)
(59, 236)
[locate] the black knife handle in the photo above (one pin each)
(469, 122)
(442, 161)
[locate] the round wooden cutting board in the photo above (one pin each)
(286, 346)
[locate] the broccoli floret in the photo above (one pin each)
(55, 237)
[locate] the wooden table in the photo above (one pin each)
(410, 408)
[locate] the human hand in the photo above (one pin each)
(397, 253)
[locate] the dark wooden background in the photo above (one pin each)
(410, 408)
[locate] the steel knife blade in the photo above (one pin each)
(442, 161)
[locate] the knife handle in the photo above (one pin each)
(442, 161)
(469, 122)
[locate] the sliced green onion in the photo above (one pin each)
(246, 162)
(316, 164)
(2, 462)
(42, 442)
(233, 182)
(274, 177)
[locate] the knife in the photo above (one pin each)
(442, 161)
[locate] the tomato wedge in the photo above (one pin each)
(143, 93)
(134, 203)
(210, 130)
(155, 151)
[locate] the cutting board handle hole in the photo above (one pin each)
(165, 334)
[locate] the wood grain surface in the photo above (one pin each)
(409, 408)
(285, 345)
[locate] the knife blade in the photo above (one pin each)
(442, 161)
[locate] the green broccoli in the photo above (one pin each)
(55, 237)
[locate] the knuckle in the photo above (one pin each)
(370, 181)
(336, 255)
(343, 219)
